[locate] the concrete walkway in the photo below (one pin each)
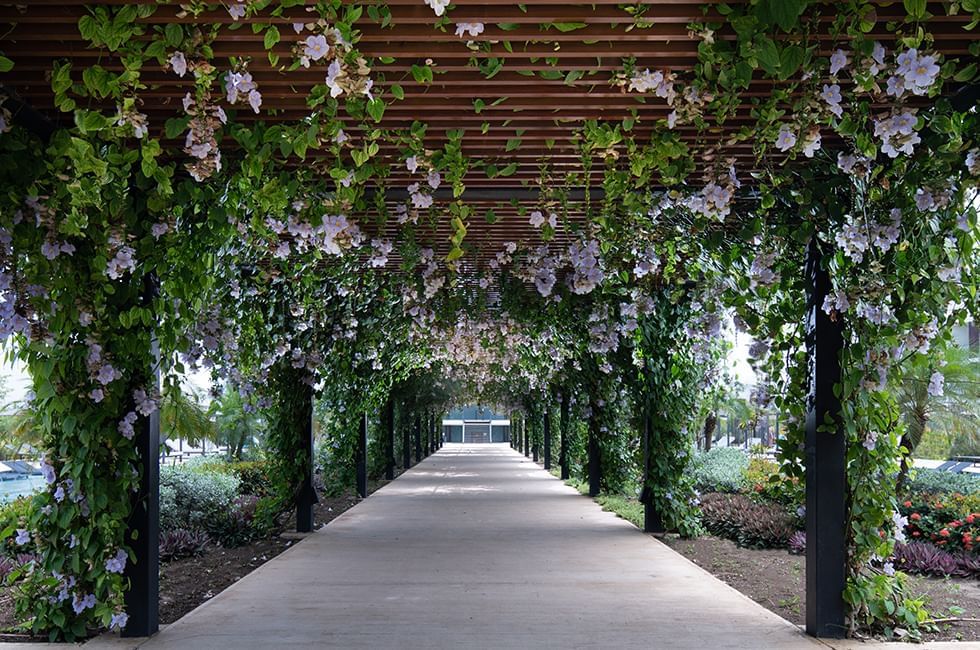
(478, 547)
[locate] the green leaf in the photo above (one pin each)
(397, 91)
(6, 65)
(785, 13)
(568, 27)
(478, 105)
(271, 37)
(173, 34)
(512, 143)
(916, 9)
(376, 109)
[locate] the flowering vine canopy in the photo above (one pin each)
(486, 200)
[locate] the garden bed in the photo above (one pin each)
(776, 580)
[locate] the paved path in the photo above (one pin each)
(477, 547)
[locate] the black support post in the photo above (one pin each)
(527, 439)
(826, 455)
(390, 440)
(306, 497)
(406, 444)
(143, 596)
(563, 443)
(652, 521)
(360, 457)
(547, 438)
(595, 455)
(418, 437)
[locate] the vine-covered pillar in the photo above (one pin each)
(432, 432)
(389, 445)
(306, 496)
(406, 439)
(826, 456)
(563, 432)
(143, 596)
(418, 437)
(594, 451)
(527, 439)
(652, 519)
(360, 457)
(547, 437)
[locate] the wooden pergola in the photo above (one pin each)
(557, 71)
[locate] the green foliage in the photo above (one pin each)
(194, 498)
(936, 482)
(721, 469)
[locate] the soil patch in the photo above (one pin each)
(777, 581)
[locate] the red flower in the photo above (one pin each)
(915, 533)
(955, 523)
(970, 517)
(944, 532)
(915, 516)
(908, 504)
(967, 538)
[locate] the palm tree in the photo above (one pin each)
(182, 417)
(237, 425)
(958, 407)
(19, 431)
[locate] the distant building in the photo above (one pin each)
(475, 424)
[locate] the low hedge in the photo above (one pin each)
(721, 469)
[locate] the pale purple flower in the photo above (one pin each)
(936, 384)
(838, 61)
(117, 564)
(786, 139)
(316, 47)
(23, 536)
(119, 621)
(237, 10)
(255, 99)
(178, 63)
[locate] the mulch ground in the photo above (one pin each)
(776, 580)
(189, 582)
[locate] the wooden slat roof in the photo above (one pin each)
(544, 113)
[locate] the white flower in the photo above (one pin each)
(936, 382)
(811, 143)
(178, 63)
(786, 139)
(438, 6)
(333, 71)
(645, 81)
(473, 29)
(411, 164)
(838, 61)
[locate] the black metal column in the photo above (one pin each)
(563, 443)
(595, 455)
(390, 440)
(652, 521)
(406, 443)
(143, 596)
(547, 438)
(418, 438)
(432, 433)
(826, 455)
(360, 457)
(306, 497)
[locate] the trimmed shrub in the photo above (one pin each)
(746, 522)
(194, 499)
(14, 515)
(253, 476)
(936, 482)
(721, 469)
